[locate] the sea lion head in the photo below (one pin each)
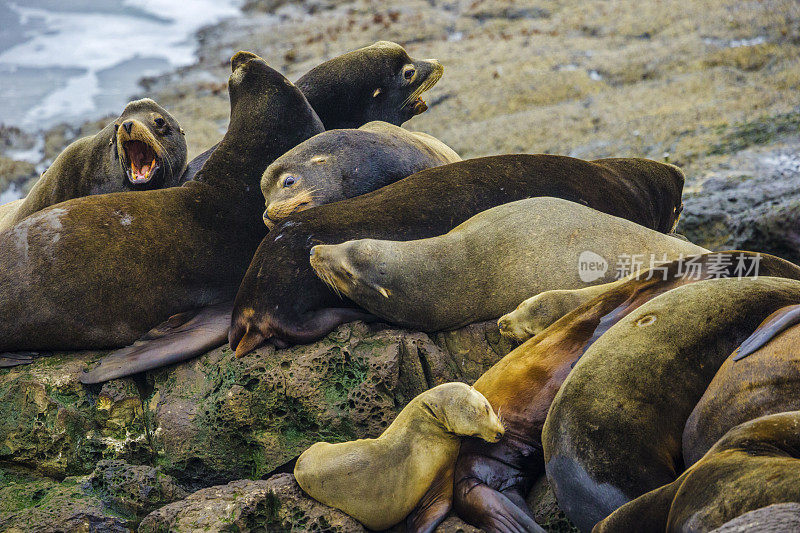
(353, 268)
(304, 177)
(462, 410)
(535, 314)
(149, 145)
(377, 82)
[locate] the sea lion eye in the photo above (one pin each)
(288, 181)
(116, 127)
(160, 122)
(409, 73)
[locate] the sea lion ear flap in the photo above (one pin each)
(770, 328)
(376, 93)
(114, 145)
(383, 291)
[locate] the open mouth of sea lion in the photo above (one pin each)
(140, 161)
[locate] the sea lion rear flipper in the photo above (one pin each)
(433, 507)
(181, 337)
(9, 359)
(774, 324)
(495, 511)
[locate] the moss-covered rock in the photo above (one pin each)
(217, 418)
(135, 490)
(52, 424)
(46, 506)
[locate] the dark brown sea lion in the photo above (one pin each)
(480, 269)
(754, 465)
(143, 149)
(377, 82)
(492, 480)
(100, 271)
(331, 166)
(408, 470)
(339, 164)
(282, 297)
(614, 429)
(762, 377)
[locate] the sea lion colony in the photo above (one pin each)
(624, 392)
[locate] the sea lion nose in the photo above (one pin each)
(128, 126)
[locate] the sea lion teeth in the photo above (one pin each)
(101, 164)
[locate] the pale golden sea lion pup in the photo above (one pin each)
(143, 149)
(408, 470)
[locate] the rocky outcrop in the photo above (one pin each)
(217, 418)
(750, 203)
(45, 506)
(277, 504)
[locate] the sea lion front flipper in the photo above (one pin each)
(9, 359)
(495, 511)
(433, 507)
(189, 335)
(782, 319)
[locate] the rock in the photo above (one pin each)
(754, 207)
(133, 490)
(277, 504)
(46, 506)
(53, 425)
(17, 172)
(217, 418)
(542, 500)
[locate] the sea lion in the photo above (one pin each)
(483, 267)
(328, 167)
(492, 480)
(339, 164)
(763, 381)
(143, 149)
(753, 465)
(100, 271)
(614, 429)
(287, 301)
(538, 312)
(775, 518)
(379, 482)
(377, 82)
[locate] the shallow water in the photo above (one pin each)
(75, 60)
